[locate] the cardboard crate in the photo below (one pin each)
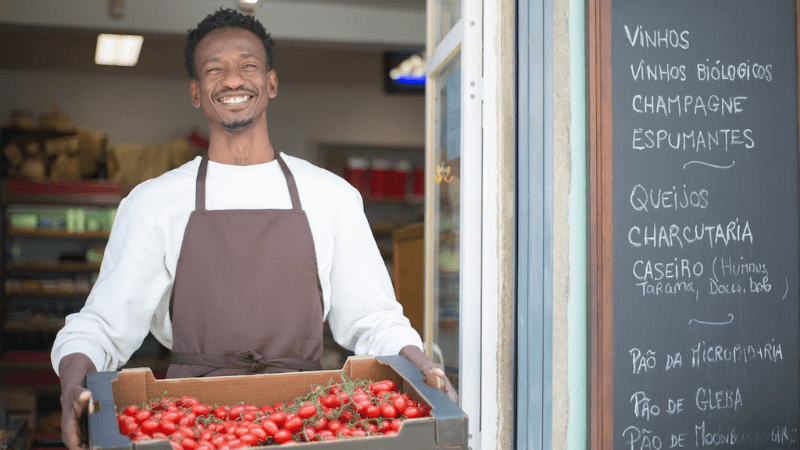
(445, 429)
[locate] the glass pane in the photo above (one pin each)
(447, 217)
(446, 14)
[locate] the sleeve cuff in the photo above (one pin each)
(97, 355)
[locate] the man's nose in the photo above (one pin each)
(233, 79)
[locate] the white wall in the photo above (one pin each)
(156, 110)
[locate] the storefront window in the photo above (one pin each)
(446, 217)
(447, 14)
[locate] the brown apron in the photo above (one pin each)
(247, 297)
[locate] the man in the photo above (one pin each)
(234, 260)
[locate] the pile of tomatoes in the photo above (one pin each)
(339, 410)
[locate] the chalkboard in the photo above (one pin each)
(705, 224)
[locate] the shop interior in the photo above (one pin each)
(77, 136)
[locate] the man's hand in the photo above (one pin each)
(76, 400)
(434, 373)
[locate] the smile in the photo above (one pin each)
(235, 100)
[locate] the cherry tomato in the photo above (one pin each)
(293, 424)
(200, 409)
(307, 411)
(167, 427)
(130, 410)
(360, 397)
(269, 426)
(278, 417)
(236, 411)
(258, 432)
(249, 439)
(143, 415)
(282, 436)
(399, 403)
(334, 425)
(331, 401)
(388, 411)
(176, 445)
(373, 412)
(412, 412)
(189, 444)
(321, 423)
(130, 429)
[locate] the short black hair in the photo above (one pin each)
(224, 18)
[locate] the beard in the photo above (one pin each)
(236, 125)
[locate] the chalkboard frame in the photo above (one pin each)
(601, 215)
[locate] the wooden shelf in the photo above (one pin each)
(57, 293)
(28, 327)
(85, 192)
(60, 234)
(55, 266)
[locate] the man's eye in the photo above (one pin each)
(250, 66)
(212, 70)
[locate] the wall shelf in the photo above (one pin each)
(53, 266)
(59, 234)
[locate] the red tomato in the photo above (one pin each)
(130, 429)
(278, 417)
(373, 412)
(140, 437)
(397, 424)
(130, 410)
(390, 432)
(388, 411)
(187, 401)
(218, 441)
(249, 439)
(236, 411)
(269, 426)
(258, 432)
(200, 409)
(187, 432)
(189, 444)
(248, 416)
(282, 436)
(267, 409)
(360, 397)
(204, 446)
(334, 425)
(176, 445)
(278, 406)
(392, 385)
(171, 416)
(167, 427)
(399, 404)
(207, 436)
(331, 401)
(412, 412)
(143, 415)
(176, 436)
(159, 435)
(240, 431)
(377, 388)
(307, 411)
(293, 424)
(358, 433)
(321, 424)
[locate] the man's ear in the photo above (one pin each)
(272, 83)
(194, 91)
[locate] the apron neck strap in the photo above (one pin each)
(200, 192)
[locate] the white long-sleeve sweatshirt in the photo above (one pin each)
(132, 292)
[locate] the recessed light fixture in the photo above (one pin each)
(118, 49)
(249, 6)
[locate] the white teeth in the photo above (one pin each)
(235, 100)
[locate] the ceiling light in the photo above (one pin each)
(249, 6)
(118, 50)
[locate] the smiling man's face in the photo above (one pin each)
(234, 85)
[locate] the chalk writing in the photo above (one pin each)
(709, 354)
(673, 235)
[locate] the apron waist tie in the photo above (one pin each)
(250, 360)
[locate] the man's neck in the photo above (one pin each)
(242, 148)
